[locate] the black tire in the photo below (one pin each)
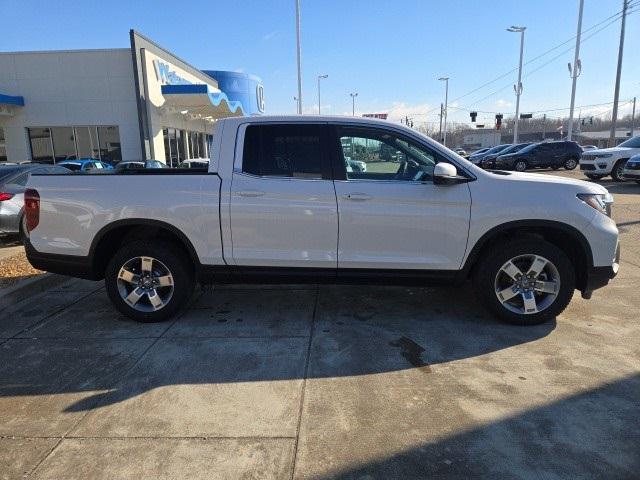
(520, 165)
(488, 268)
(616, 172)
(571, 163)
(594, 177)
(176, 262)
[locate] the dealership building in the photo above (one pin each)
(141, 102)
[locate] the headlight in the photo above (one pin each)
(603, 155)
(600, 201)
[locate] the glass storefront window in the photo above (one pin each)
(41, 146)
(3, 146)
(109, 146)
(64, 145)
(87, 142)
(55, 144)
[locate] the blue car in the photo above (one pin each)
(85, 165)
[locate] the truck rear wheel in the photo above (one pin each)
(149, 281)
(525, 282)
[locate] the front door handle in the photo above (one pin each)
(358, 197)
(250, 193)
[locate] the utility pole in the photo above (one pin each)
(320, 77)
(633, 116)
(574, 71)
(446, 107)
(616, 93)
(518, 86)
(544, 126)
(353, 103)
(298, 56)
(441, 114)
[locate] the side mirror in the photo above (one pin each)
(447, 174)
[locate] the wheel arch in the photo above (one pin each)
(564, 236)
(112, 236)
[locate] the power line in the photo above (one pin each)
(611, 19)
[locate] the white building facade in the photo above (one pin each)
(117, 104)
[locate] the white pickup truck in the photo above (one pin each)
(278, 203)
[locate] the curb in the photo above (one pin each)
(30, 286)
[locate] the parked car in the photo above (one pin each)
(85, 165)
(195, 163)
(128, 165)
(477, 159)
(13, 181)
(542, 155)
(489, 160)
(632, 169)
(461, 151)
(599, 163)
(269, 206)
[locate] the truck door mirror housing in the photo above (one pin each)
(447, 174)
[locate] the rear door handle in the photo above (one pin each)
(250, 193)
(358, 197)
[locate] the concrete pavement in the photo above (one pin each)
(324, 382)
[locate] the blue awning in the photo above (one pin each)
(198, 99)
(11, 100)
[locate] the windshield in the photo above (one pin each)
(528, 148)
(514, 148)
(631, 143)
(71, 166)
(497, 148)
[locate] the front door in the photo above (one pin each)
(283, 203)
(391, 214)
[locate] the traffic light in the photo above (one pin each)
(498, 121)
(473, 116)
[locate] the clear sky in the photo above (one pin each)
(389, 51)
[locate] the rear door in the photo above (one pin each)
(283, 208)
(391, 214)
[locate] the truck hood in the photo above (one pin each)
(579, 186)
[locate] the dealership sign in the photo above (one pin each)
(167, 76)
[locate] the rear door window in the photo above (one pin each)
(284, 151)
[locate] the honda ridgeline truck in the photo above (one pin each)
(281, 202)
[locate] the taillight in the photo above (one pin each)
(31, 208)
(5, 196)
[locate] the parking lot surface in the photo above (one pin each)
(321, 382)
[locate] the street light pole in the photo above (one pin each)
(518, 86)
(446, 107)
(298, 53)
(575, 71)
(616, 92)
(320, 77)
(353, 103)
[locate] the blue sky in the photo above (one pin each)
(390, 52)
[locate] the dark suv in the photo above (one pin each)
(542, 155)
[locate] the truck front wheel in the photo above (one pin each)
(149, 281)
(525, 282)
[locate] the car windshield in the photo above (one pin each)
(528, 148)
(497, 149)
(514, 148)
(631, 143)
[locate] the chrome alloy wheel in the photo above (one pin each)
(145, 284)
(527, 284)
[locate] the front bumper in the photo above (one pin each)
(631, 175)
(595, 167)
(598, 277)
